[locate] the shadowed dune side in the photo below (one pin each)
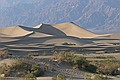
(14, 31)
(39, 35)
(48, 29)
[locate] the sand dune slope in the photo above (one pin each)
(14, 31)
(71, 29)
(48, 29)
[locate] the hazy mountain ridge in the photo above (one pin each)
(96, 15)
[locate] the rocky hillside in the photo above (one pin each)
(96, 15)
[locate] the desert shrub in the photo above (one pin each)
(80, 61)
(66, 43)
(105, 57)
(64, 56)
(91, 68)
(36, 71)
(95, 77)
(3, 78)
(32, 54)
(107, 67)
(20, 68)
(77, 62)
(44, 53)
(83, 64)
(29, 76)
(4, 54)
(4, 69)
(69, 78)
(59, 77)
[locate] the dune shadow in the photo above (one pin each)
(45, 29)
(48, 29)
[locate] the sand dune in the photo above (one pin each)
(14, 31)
(46, 37)
(66, 29)
(36, 44)
(71, 29)
(71, 40)
(45, 30)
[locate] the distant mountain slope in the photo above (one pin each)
(96, 15)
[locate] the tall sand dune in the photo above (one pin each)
(66, 29)
(71, 29)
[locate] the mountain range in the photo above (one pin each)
(101, 16)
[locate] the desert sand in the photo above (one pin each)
(14, 31)
(51, 36)
(20, 40)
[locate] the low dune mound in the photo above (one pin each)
(66, 29)
(113, 36)
(14, 31)
(3, 39)
(69, 41)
